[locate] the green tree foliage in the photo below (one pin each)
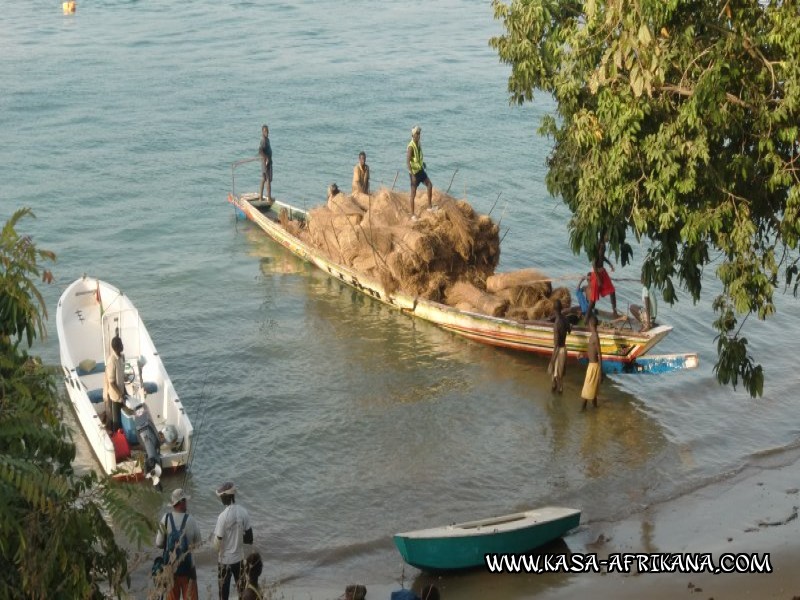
(55, 536)
(677, 123)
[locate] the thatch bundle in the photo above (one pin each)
(335, 234)
(517, 314)
(525, 296)
(386, 208)
(539, 310)
(447, 255)
(522, 277)
(462, 292)
(375, 235)
(542, 310)
(562, 294)
(346, 205)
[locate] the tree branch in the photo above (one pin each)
(688, 92)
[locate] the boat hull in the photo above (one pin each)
(466, 545)
(89, 313)
(617, 344)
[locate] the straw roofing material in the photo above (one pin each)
(542, 310)
(562, 294)
(526, 296)
(464, 292)
(345, 205)
(502, 281)
(447, 255)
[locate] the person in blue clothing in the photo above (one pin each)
(575, 314)
(265, 154)
(184, 582)
(580, 295)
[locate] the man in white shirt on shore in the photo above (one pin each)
(233, 530)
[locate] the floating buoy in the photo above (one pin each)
(69, 7)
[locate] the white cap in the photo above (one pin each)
(416, 129)
(226, 489)
(178, 495)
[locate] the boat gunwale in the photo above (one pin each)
(494, 525)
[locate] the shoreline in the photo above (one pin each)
(753, 511)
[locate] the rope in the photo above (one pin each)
(193, 449)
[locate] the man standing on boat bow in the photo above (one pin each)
(265, 154)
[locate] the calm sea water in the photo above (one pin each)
(341, 421)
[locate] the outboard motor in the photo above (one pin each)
(148, 438)
(171, 437)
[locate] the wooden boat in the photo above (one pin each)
(620, 344)
(90, 312)
(464, 545)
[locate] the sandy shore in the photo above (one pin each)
(754, 511)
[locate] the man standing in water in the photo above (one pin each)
(232, 530)
(416, 169)
(265, 154)
(558, 361)
(594, 372)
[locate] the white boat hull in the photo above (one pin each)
(89, 313)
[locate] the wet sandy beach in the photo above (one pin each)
(752, 512)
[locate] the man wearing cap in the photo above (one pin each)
(416, 169)
(184, 583)
(232, 531)
(265, 154)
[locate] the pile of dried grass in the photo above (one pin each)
(376, 236)
(463, 293)
(447, 255)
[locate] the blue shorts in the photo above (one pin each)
(419, 177)
(266, 172)
(583, 302)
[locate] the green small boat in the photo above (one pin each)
(464, 545)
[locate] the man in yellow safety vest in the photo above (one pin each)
(416, 169)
